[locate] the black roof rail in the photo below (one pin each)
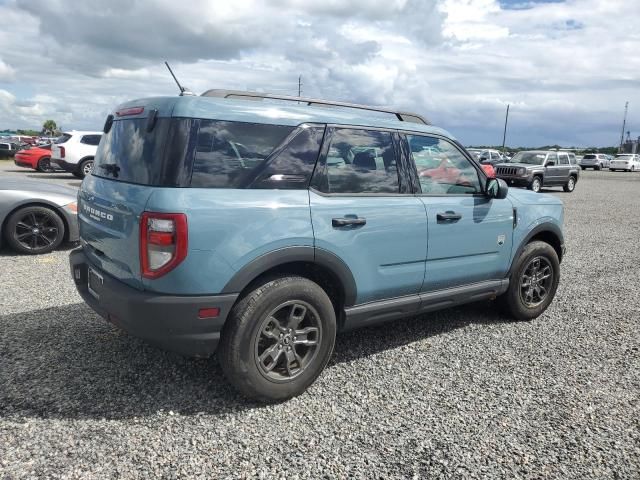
(257, 96)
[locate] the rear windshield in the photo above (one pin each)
(62, 139)
(589, 157)
(181, 152)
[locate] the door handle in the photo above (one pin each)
(448, 216)
(348, 222)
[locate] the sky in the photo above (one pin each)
(565, 67)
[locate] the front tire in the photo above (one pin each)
(570, 185)
(34, 230)
(533, 283)
(536, 184)
(278, 339)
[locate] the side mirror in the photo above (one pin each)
(497, 188)
(550, 163)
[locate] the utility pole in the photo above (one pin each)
(300, 85)
(504, 135)
(624, 124)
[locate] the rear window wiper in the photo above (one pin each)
(111, 168)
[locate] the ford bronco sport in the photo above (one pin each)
(262, 228)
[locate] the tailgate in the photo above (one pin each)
(109, 220)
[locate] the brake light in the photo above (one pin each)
(130, 111)
(62, 152)
(163, 242)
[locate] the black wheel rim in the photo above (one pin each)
(36, 231)
(536, 282)
(288, 340)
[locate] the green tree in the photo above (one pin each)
(49, 127)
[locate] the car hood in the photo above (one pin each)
(527, 197)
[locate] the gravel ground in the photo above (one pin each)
(463, 393)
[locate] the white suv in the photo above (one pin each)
(74, 152)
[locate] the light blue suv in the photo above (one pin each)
(261, 225)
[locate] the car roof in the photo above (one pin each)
(252, 111)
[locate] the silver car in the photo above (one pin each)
(36, 217)
(597, 161)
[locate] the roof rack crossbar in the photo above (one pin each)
(402, 116)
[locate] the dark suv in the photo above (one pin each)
(259, 230)
(537, 168)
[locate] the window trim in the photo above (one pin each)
(319, 177)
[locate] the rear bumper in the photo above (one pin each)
(170, 322)
(23, 163)
(66, 166)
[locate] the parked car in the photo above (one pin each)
(537, 168)
(37, 158)
(212, 223)
(35, 216)
(597, 161)
(475, 152)
(74, 152)
(8, 149)
(491, 157)
(627, 162)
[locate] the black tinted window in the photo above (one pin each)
(131, 154)
(361, 161)
(62, 138)
(229, 154)
(293, 165)
(90, 139)
(4, 146)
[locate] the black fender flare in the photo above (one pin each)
(282, 256)
(546, 227)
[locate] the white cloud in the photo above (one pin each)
(566, 68)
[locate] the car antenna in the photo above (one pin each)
(183, 90)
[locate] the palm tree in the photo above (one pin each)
(49, 127)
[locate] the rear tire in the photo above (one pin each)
(44, 165)
(597, 167)
(530, 293)
(85, 168)
(570, 186)
(34, 230)
(278, 339)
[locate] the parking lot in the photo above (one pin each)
(462, 393)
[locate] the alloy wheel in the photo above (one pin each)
(87, 168)
(288, 341)
(536, 281)
(36, 231)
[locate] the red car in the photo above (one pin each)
(35, 157)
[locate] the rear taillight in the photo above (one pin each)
(163, 242)
(61, 152)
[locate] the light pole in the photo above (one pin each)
(504, 135)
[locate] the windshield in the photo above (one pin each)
(530, 158)
(589, 157)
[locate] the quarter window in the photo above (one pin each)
(229, 154)
(361, 161)
(90, 139)
(442, 168)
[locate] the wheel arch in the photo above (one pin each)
(37, 203)
(546, 232)
(316, 264)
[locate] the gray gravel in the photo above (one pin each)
(462, 393)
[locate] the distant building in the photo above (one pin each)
(631, 146)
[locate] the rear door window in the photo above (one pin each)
(361, 161)
(62, 139)
(563, 159)
(229, 154)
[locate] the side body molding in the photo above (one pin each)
(318, 256)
